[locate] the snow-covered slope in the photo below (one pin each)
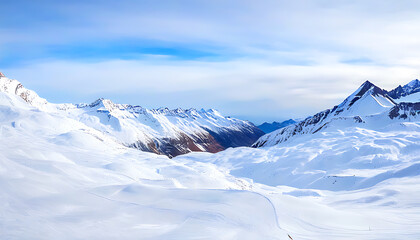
(343, 156)
(414, 97)
(368, 169)
(63, 179)
(162, 131)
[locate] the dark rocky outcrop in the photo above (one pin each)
(405, 110)
(211, 142)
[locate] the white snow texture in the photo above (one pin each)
(65, 173)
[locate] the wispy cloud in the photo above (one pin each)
(254, 89)
(284, 58)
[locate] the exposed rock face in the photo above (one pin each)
(183, 144)
(405, 110)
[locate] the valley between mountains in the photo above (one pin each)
(105, 170)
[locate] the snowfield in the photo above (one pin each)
(60, 178)
(343, 183)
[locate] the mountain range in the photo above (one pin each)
(161, 131)
(270, 127)
(369, 106)
(179, 131)
(74, 171)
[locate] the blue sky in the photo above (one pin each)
(258, 60)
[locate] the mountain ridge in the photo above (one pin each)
(267, 127)
(402, 91)
(367, 100)
(171, 132)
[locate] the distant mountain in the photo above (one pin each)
(270, 127)
(162, 131)
(369, 104)
(402, 91)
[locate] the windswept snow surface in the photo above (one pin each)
(347, 183)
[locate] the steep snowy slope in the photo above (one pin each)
(162, 131)
(365, 101)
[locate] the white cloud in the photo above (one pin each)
(287, 57)
(293, 91)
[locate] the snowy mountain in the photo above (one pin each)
(62, 179)
(367, 101)
(64, 174)
(162, 131)
(12, 86)
(270, 127)
(165, 131)
(402, 91)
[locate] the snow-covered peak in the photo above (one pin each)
(191, 112)
(14, 87)
(414, 83)
(104, 104)
(412, 87)
(366, 101)
(366, 88)
(403, 91)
